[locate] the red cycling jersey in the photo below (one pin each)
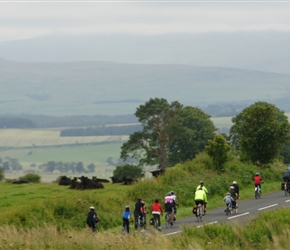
(257, 180)
(157, 208)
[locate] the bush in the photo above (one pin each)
(34, 178)
(1, 174)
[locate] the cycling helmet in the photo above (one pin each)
(92, 207)
(232, 187)
(228, 193)
(257, 174)
(234, 182)
(172, 192)
(201, 182)
(127, 206)
(168, 194)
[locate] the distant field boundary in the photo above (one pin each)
(18, 138)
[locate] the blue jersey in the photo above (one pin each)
(126, 215)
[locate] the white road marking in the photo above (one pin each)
(214, 222)
(174, 233)
(239, 215)
(287, 201)
(268, 207)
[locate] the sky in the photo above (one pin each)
(32, 19)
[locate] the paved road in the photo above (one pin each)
(248, 209)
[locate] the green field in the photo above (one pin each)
(37, 146)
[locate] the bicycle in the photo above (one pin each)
(287, 188)
(140, 222)
(168, 221)
(235, 208)
(156, 222)
(228, 209)
(257, 192)
(199, 213)
(125, 229)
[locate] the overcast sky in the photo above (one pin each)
(30, 19)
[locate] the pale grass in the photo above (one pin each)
(48, 237)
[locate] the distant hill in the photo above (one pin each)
(105, 88)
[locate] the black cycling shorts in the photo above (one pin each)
(168, 207)
(199, 202)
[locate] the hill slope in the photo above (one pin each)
(91, 88)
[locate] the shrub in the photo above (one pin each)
(34, 178)
(1, 174)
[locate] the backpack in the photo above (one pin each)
(194, 210)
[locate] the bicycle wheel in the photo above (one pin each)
(259, 193)
(167, 218)
(227, 211)
(143, 222)
(156, 222)
(256, 193)
(124, 230)
(199, 214)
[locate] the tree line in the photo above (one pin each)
(99, 131)
(173, 133)
(12, 165)
(44, 121)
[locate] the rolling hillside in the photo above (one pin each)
(90, 88)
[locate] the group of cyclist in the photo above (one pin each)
(170, 203)
(140, 211)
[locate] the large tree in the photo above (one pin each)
(260, 131)
(194, 128)
(151, 144)
(171, 133)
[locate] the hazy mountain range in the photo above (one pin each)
(91, 88)
(112, 75)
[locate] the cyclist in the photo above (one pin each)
(92, 219)
(127, 215)
(156, 211)
(137, 211)
(143, 211)
(234, 195)
(286, 175)
(228, 199)
(257, 181)
(237, 189)
(169, 206)
(175, 204)
(200, 198)
(201, 185)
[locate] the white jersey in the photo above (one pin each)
(168, 199)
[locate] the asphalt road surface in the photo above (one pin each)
(247, 210)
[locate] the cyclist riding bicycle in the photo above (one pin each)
(237, 189)
(156, 211)
(257, 181)
(143, 211)
(137, 211)
(201, 185)
(126, 217)
(228, 199)
(234, 195)
(175, 204)
(200, 198)
(286, 175)
(169, 206)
